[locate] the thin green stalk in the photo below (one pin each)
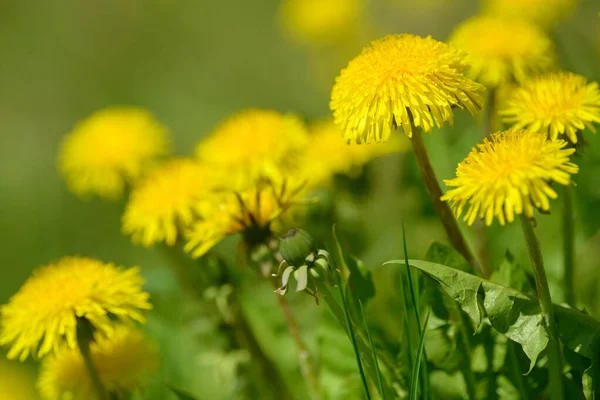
(568, 246)
(516, 368)
(464, 339)
(373, 353)
(543, 292)
(85, 336)
(415, 373)
(353, 339)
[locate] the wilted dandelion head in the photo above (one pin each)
(544, 13)
(166, 201)
(503, 50)
(398, 78)
(124, 362)
(510, 173)
(555, 104)
(320, 22)
(43, 314)
(111, 147)
(260, 143)
(16, 383)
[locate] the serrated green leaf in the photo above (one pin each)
(181, 395)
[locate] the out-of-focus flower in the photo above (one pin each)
(509, 174)
(252, 212)
(332, 155)
(43, 314)
(503, 50)
(15, 382)
(167, 201)
(124, 363)
(399, 78)
(561, 103)
(544, 13)
(320, 22)
(254, 144)
(110, 148)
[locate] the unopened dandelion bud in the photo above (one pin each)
(296, 246)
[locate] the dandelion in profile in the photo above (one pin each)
(503, 50)
(110, 148)
(510, 174)
(556, 104)
(43, 314)
(124, 362)
(402, 81)
(167, 201)
(544, 13)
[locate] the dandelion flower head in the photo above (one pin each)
(398, 78)
(259, 143)
(544, 13)
(503, 50)
(110, 148)
(320, 22)
(16, 383)
(509, 174)
(167, 201)
(124, 363)
(556, 104)
(43, 314)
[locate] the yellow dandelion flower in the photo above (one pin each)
(502, 50)
(110, 148)
(16, 383)
(510, 174)
(43, 314)
(333, 155)
(257, 142)
(124, 362)
(544, 13)
(252, 212)
(398, 78)
(166, 201)
(555, 104)
(320, 22)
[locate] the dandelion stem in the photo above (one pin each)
(543, 292)
(568, 245)
(441, 207)
(85, 336)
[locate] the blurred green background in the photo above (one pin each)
(192, 63)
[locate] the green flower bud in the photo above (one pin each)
(295, 246)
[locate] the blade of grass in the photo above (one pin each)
(379, 380)
(414, 391)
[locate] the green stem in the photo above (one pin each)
(568, 246)
(464, 340)
(543, 292)
(441, 207)
(373, 353)
(85, 336)
(516, 368)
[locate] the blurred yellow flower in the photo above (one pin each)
(561, 103)
(252, 212)
(110, 148)
(398, 78)
(16, 383)
(503, 50)
(254, 143)
(43, 314)
(333, 155)
(320, 22)
(544, 13)
(509, 174)
(167, 201)
(124, 363)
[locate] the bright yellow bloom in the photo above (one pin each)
(397, 77)
(252, 212)
(16, 383)
(168, 200)
(555, 104)
(332, 155)
(110, 148)
(124, 363)
(544, 13)
(43, 314)
(320, 22)
(259, 143)
(510, 174)
(501, 50)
